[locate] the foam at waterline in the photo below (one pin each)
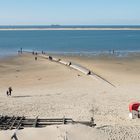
(117, 53)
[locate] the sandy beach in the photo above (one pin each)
(48, 89)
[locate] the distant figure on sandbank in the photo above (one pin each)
(34, 53)
(112, 51)
(20, 51)
(43, 52)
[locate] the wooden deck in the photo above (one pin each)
(16, 122)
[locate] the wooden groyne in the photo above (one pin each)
(80, 68)
(20, 122)
(75, 66)
(83, 70)
(94, 75)
(65, 62)
(56, 59)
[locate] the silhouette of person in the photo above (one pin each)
(10, 91)
(35, 58)
(21, 50)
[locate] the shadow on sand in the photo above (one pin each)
(104, 126)
(25, 96)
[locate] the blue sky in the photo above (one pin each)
(69, 12)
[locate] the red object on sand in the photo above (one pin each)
(134, 106)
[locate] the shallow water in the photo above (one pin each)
(72, 41)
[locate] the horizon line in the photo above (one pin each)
(70, 25)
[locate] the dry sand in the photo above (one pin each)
(49, 89)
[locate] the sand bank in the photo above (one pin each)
(49, 89)
(8, 29)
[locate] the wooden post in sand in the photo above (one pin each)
(64, 120)
(35, 123)
(92, 122)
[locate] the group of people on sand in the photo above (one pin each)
(9, 91)
(35, 53)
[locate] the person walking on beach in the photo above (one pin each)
(10, 91)
(21, 50)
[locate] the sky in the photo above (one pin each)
(70, 12)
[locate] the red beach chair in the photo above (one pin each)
(134, 106)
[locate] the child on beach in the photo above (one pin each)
(10, 91)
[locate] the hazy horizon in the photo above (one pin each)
(89, 25)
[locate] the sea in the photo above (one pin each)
(70, 42)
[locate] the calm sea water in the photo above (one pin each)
(87, 42)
